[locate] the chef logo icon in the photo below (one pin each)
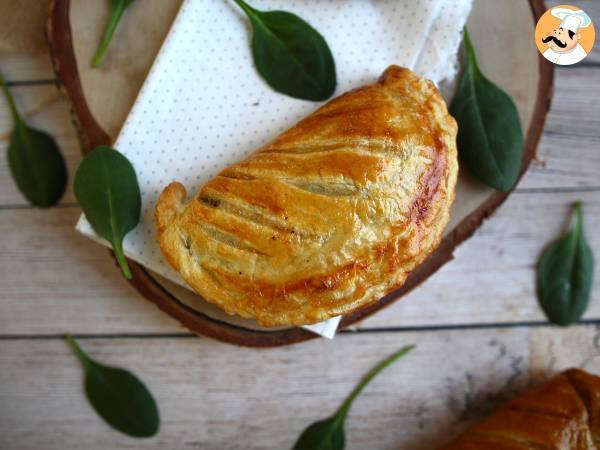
(565, 35)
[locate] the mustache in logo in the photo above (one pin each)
(556, 41)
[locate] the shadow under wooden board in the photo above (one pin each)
(101, 99)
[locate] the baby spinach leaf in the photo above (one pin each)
(328, 434)
(117, 8)
(34, 159)
(490, 139)
(118, 396)
(564, 276)
(290, 55)
(107, 190)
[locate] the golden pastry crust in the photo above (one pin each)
(562, 414)
(331, 216)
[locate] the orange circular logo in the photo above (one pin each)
(565, 35)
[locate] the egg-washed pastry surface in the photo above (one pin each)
(330, 216)
(562, 414)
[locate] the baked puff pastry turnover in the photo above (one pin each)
(561, 414)
(330, 216)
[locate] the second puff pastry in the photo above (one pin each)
(561, 414)
(331, 216)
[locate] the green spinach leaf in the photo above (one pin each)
(490, 139)
(564, 276)
(118, 396)
(290, 55)
(328, 434)
(107, 190)
(34, 159)
(117, 8)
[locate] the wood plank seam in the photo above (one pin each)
(557, 190)
(40, 82)
(348, 331)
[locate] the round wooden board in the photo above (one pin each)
(102, 98)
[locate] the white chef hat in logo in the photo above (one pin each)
(571, 20)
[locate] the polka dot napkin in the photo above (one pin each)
(203, 105)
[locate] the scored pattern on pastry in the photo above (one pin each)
(330, 216)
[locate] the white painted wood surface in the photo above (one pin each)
(215, 396)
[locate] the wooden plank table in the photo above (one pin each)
(480, 335)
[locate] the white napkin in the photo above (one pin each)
(203, 105)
